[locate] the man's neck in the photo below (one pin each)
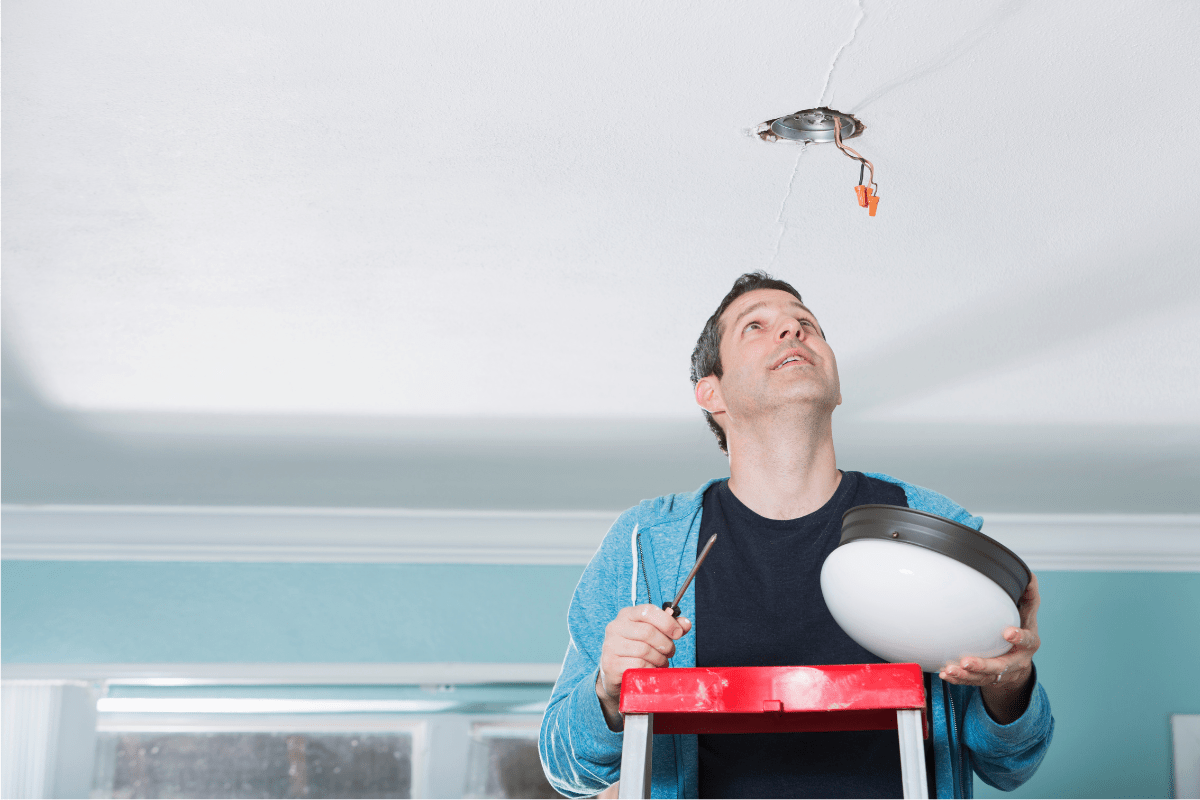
(783, 471)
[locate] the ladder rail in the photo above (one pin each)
(637, 751)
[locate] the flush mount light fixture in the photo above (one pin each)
(915, 587)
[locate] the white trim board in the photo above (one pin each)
(1116, 542)
(231, 674)
(1185, 754)
(340, 722)
(215, 533)
(1101, 542)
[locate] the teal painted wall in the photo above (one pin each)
(100, 612)
(1120, 651)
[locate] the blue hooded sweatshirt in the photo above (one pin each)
(646, 554)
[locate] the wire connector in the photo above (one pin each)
(864, 192)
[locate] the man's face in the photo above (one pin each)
(773, 355)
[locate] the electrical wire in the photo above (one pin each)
(851, 153)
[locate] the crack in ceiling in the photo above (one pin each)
(957, 49)
(780, 218)
(838, 54)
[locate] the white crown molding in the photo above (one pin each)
(1100, 542)
(213, 533)
(187, 674)
(1106, 542)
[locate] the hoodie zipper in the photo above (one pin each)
(675, 743)
(957, 775)
(642, 565)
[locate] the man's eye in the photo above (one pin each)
(807, 322)
(751, 325)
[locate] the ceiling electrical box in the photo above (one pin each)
(822, 125)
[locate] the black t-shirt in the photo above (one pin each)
(759, 603)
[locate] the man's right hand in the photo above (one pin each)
(640, 636)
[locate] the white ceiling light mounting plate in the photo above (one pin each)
(811, 125)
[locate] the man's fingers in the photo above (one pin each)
(613, 667)
(1017, 637)
(1022, 639)
(955, 674)
(653, 615)
(659, 618)
(639, 631)
(1012, 658)
(1028, 605)
(633, 648)
(985, 666)
(975, 671)
(614, 670)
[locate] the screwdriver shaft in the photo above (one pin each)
(692, 574)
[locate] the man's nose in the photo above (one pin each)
(792, 327)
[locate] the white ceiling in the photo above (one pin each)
(519, 209)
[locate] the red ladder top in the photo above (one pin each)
(838, 697)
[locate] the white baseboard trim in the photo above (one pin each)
(182, 674)
(1103, 542)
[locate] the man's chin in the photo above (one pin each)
(802, 405)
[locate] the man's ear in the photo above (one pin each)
(708, 394)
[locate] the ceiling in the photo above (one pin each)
(296, 252)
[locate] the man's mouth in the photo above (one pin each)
(791, 358)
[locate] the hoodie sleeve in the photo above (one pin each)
(1005, 756)
(580, 755)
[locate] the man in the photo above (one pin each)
(768, 383)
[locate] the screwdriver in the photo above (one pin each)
(674, 605)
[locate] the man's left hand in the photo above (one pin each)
(1005, 681)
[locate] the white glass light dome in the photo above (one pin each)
(911, 587)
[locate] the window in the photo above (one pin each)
(254, 764)
(503, 762)
(150, 747)
(182, 739)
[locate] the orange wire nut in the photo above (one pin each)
(864, 192)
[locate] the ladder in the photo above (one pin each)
(838, 697)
